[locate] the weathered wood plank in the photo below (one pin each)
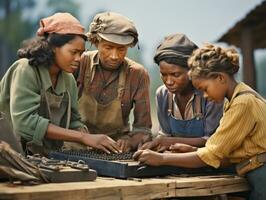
(207, 186)
(106, 188)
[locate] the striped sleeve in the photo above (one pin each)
(235, 125)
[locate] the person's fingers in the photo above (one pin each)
(137, 154)
(104, 149)
(127, 149)
(140, 145)
(113, 148)
(152, 145)
(175, 146)
(144, 146)
(142, 159)
(119, 143)
(110, 146)
(161, 149)
(172, 147)
(113, 145)
(123, 146)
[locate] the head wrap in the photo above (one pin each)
(113, 27)
(61, 23)
(176, 47)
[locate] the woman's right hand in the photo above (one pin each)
(100, 141)
(158, 144)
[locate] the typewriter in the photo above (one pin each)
(122, 165)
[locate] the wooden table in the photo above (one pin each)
(109, 188)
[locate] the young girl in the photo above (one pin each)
(241, 135)
(39, 92)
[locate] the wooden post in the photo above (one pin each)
(249, 70)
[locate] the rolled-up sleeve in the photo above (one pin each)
(24, 105)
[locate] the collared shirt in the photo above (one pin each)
(136, 93)
(212, 114)
(242, 130)
(20, 99)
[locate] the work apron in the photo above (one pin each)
(102, 118)
(187, 128)
(56, 108)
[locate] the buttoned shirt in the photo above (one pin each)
(135, 96)
(242, 130)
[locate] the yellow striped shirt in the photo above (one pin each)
(242, 130)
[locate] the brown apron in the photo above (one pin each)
(102, 118)
(56, 108)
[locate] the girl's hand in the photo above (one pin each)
(182, 148)
(149, 157)
(157, 144)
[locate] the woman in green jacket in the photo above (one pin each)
(39, 93)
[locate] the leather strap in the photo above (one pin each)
(262, 157)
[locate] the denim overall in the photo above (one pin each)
(188, 128)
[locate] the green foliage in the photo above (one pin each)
(14, 29)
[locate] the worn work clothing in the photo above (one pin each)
(135, 94)
(193, 127)
(212, 112)
(56, 108)
(242, 130)
(102, 118)
(20, 97)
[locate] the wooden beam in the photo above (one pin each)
(249, 70)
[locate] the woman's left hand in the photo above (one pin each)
(124, 144)
(149, 157)
(182, 148)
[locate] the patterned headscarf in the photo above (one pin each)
(61, 23)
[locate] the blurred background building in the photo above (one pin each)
(241, 23)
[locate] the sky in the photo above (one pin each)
(201, 20)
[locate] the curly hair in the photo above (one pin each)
(209, 59)
(39, 50)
